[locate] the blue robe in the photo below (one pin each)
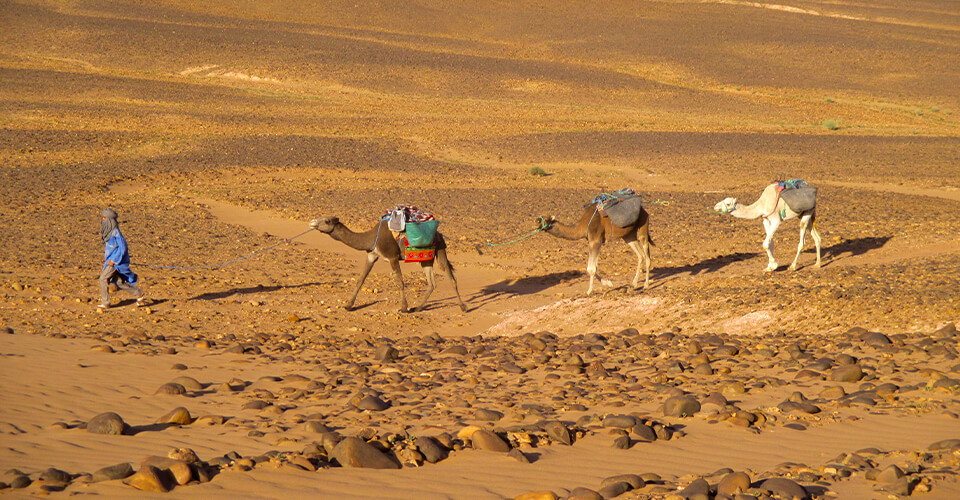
(116, 250)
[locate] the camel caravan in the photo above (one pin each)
(410, 234)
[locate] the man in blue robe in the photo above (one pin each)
(116, 265)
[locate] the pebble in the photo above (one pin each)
(112, 472)
(698, 487)
(620, 421)
(372, 403)
(171, 389)
(846, 373)
(107, 423)
(21, 482)
(519, 456)
(633, 480)
(188, 383)
(488, 441)
(355, 452)
(733, 483)
(431, 449)
(584, 494)
(946, 444)
(622, 443)
(178, 416)
(487, 415)
(537, 495)
(680, 406)
(786, 488)
(149, 478)
(558, 432)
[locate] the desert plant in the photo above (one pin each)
(537, 171)
(831, 124)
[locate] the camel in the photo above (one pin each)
(771, 207)
(379, 243)
(596, 229)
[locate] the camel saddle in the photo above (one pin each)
(415, 254)
(623, 207)
(798, 195)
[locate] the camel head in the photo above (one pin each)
(546, 222)
(324, 224)
(726, 206)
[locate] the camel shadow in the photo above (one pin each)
(248, 290)
(854, 247)
(710, 265)
(523, 286)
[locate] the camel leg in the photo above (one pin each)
(367, 266)
(395, 265)
(770, 225)
(431, 285)
(804, 223)
(592, 261)
(815, 234)
(643, 260)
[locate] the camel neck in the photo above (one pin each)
(576, 231)
(753, 211)
(358, 241)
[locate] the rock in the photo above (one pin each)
(846, 373)
(256, 404)
(355, 452)
(171, 389)
(488, 441)
(372, 403)
(315, 426)
(786, 488)
(622, 443)
(875, 339)
(185, 455)
(614, 490)
(558, 432)
(835, 392)
(584, 494)
(182, 472)
(620, 421)
(113, 472)
(386, 354)
(890, 475)
(179, 416)
(487, 415)
(698, 488)
(149, 478)
(431, 449)
(21, 482)
(946, 444)
(644, 433)
(519, 456)
(55, 476)
(106, 423)
(680, 406)
(537, 495)
(734, 483)
(635, 481)
(188, 383)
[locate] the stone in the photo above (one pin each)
(355, 452)
(107, 423)
(584, 494)
(185, 455)
(55, 476)
(149, 478)
(786, 488)
(171, 389)
(112, 472)
(182, 472)
(680, 406)
(614, 490)
(875, 339)
(315, 426)
(635, 481)
(519, 456)
(622, 443)
(431, 449)
(188, 383)
(179, 416)
(537, 495)
(846, 373)
(488, 441)
(620, 421)
(558, 432)
(386, 354)
(372, 403)
(487, 415)
(699, 487)
(644, 433)
(21, 482)
(946, 444)
(734, 483)
(890, 475)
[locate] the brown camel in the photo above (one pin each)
(596, 229)
(379, 242)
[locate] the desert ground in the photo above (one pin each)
(218, 130)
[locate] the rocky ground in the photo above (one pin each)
(218, 131)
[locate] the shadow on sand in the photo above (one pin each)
(523, 286)
(854, 247)
(704, 266)
(252, 289)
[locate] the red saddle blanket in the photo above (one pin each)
(414, 254)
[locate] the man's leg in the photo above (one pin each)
(105, 276)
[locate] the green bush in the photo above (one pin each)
(831, 124)
(537, 171)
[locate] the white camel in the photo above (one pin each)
(773, 210)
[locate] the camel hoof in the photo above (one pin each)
(410, 310)
(463, 307)
(606, 282)
(817, 265)
(793, 268)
